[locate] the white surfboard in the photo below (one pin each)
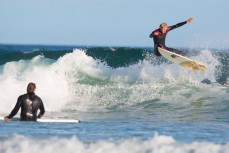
(47, 120)
(181, 60)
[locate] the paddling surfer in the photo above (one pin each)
(159, 36)
(29, 104)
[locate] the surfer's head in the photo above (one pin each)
(163, 27)
(31, 87)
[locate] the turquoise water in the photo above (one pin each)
(127, 99)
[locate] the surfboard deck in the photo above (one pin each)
(47, 120)
(182, 60)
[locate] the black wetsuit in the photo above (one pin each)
(29, 104)
(159, 38)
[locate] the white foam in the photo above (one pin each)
(158, 144)
(79, 82)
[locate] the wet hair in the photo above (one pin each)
(31, 87)
(162, 25)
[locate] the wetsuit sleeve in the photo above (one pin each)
(42, 110)
(153, 33)
(177, 25)
(16, 108)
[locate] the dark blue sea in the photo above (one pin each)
(128, 100)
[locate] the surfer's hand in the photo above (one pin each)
(6, 118)
(190, 20)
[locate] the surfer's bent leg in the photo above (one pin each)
(156, 52)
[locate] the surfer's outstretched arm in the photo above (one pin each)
(180, 24)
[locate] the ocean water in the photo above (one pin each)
(127, 99)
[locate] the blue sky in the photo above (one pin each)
(113, 22)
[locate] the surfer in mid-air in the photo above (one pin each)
(29, 104)
(159, 36)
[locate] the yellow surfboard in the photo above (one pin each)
(181, 60)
